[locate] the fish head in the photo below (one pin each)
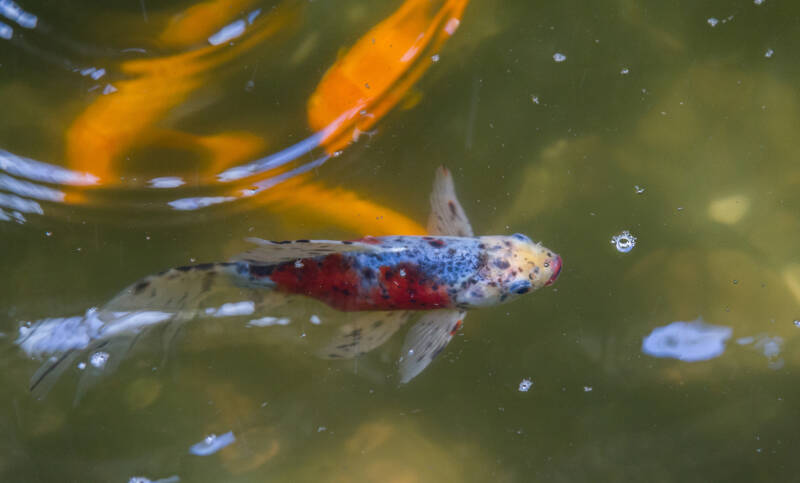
(514, 265)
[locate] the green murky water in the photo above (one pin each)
(656, 121)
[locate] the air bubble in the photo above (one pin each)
(559, 57)
(525, 385)
(624, 242)
(99, 359)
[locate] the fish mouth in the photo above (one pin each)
(556, 270)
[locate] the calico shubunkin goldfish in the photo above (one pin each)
(381, 281)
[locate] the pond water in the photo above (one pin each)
(652, 145)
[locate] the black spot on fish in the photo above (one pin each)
(452, 207)
(301, 241)
(204, 266)
(501, 263)
(334, 356)
(355, 333)
(184, 268)
(261, 270)
(137, 289)
(368, 274)
(347, 242)
(436, 243)
(377, 324)
(451, 251)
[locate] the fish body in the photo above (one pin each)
(413, 272)
(381, 282)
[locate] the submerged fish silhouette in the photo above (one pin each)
(382, 280)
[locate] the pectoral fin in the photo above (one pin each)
(426, 339)
(366, 331)
(447, 216)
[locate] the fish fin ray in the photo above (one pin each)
(426, 339)
(365, 332)
(447, 216)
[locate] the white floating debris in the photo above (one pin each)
(687, 341)
(535, 99)
(559, 57)
(268, 321)
(713, 21)
(81, 366)
(625, 71)
(624, 242)
(109, 89)
(99, 359)
(768, 54)
(321, 429)
(729, 210)
(758, 2)
(435, 58)
(212, 443)
(315, 320)
(525, 385)
(587, 388)
(796, 323)
(638, 189)
(228, 33)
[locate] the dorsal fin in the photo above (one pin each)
(284, 251)
(447, 217)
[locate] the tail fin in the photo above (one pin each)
(98, 341)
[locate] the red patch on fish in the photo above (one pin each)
(456, 327)
(336, 282)
(404, 287)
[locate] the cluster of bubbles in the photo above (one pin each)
(624, 242)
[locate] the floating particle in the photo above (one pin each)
(713, 21)
(768, 54)
(435, 58)
(315, 320)
(587, 388)
(559, 57)
(81, 366)
(99, 359)
(525, 385)
(797, 323)
(535, 99)
(109, 89)
(624, 242)
(625, 71)
(321, 429)
(638, 189)
(758, 2)
(212, 443)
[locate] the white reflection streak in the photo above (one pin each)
(13, 202)
(227, 33)
(6, 32)
(12, 11)
(39, 171)
(30, 190)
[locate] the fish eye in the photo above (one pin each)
(521, 237)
